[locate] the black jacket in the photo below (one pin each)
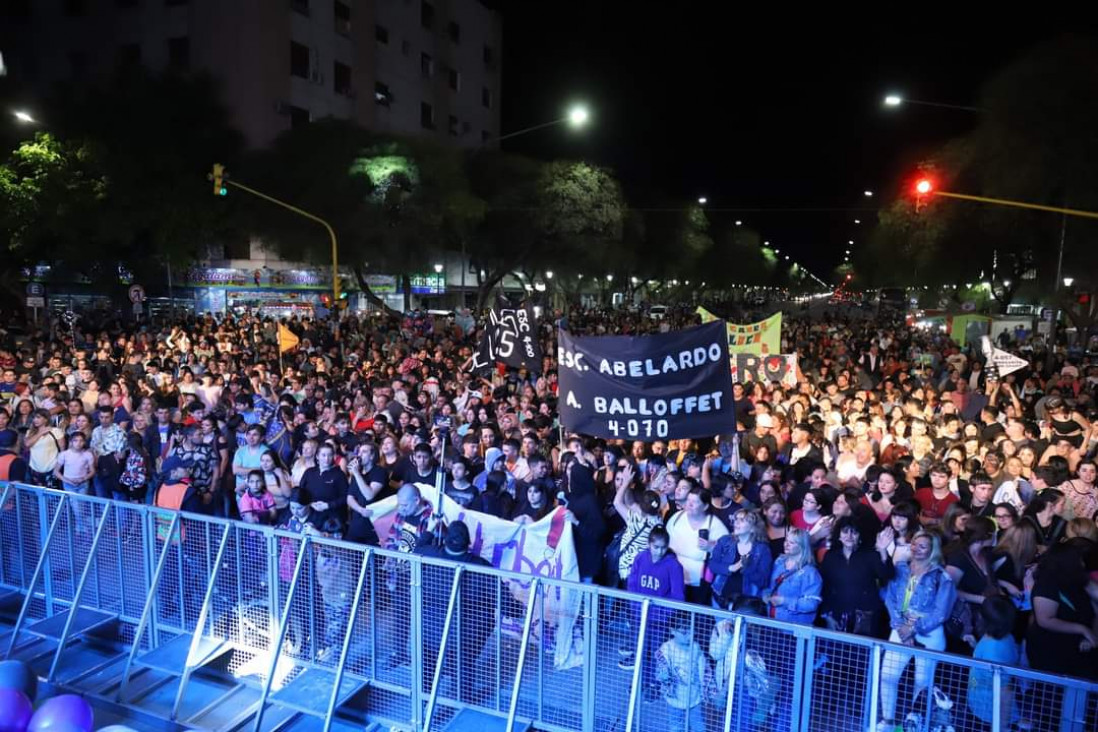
(855, 583)
(591, 529)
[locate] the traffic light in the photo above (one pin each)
(218, 177)
(924, 187)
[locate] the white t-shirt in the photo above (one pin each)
(684, 542)
(44, 452)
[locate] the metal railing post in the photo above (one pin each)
(42, 561)
(74, 608)
(147, 611)
(439, 662)
(638, 662)
(512, 710)
(734, 662)
(338, 681)
(200, 625)
(276, 650)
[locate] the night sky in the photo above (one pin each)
(754, 111)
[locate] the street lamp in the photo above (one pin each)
(868, 194)
(857, 221)
(1068, 281)
(23, 117)
(739, 223)
(703, 200)
(577, 117)
(895, 100)
(549, 275)
(438, 269)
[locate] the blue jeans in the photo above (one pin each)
(678, 719)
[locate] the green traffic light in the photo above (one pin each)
(224, 191)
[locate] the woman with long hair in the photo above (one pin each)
(741, 562)
(773, 512)
(1043, 512)
(795, 587)
(306, 459)
(919, 600)
(954, 522)
(1081, 491)
(968, 563)
(883, 498)
(853, 574)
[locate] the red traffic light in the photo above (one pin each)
(923, 186)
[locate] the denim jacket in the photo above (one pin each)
(931, 601)
(800, 592)
(756, 565)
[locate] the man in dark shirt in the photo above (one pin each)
(325, 487)
(420, 471)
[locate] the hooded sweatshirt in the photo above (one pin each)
(657, 579)
(588, 533)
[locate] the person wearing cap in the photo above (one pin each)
(12, 466)
(176, 492)
(759, 436)
(477, 595)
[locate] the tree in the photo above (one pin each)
(49, 189)
(563, 215)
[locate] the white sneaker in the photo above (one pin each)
(885, 726)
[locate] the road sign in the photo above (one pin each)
(35, 289)
(137, 293)
(36, 301)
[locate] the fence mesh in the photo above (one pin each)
(580, 662)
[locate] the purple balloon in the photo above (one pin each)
(15, 710)
(67, 712)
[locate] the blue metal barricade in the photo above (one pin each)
(311, 626)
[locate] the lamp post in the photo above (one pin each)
(577, 117)
(896, 100)
(24, 117)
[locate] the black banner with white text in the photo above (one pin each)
(510, 338)
(665, 386)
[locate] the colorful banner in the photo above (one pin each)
(308, 278)
(544, 548)
(665, 386)
(766, 369)
(761, 338)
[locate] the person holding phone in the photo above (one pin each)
(694, 533)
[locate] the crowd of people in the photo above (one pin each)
(901, 489)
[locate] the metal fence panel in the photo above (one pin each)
(564, 657)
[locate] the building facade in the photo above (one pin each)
(412, 67)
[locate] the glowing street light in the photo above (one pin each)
(23, 117)
(438, 269)
(577, 116)
(895, 100)
(868, 194)
(923, 187)
(549, 275)
(739, 223)
(1068, 281)
(703, 200)
(857, 221)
